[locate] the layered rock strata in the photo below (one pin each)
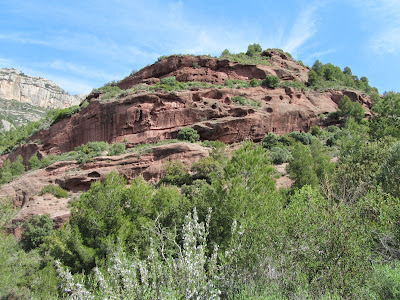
(15, 85)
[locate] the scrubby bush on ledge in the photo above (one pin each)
(271, 81)
(55, 190)
(188, 134)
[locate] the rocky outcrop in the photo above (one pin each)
(15, 85)
(151, 117)
(141, 117)
(215, 71)
(76, 178)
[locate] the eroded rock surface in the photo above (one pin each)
(15, 85)
(215, 71)
(149, 118)
(76, 178)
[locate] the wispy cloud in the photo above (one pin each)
(23, 39)
(317, 55)
(387, 41)
(303, 29)
(82, 71)
(98, 41)
(384, 24)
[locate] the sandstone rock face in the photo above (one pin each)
(215, 71)
(15, 85)
(152, 117)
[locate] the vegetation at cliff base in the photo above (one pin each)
(221, 229)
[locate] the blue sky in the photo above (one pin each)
(84, 44)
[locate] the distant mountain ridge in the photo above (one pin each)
(15, 85)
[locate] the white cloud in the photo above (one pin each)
(114, 38)
(303, 29)
(383, 23)
(387, 41)
(317, 55)
(81, 70)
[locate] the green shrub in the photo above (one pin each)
(331, 141)
(253, 49)
(386, 116)
(64, 113)
(298, 85)
(116, 149)
(161, 57)
(333, 129)
(34, 162)
(269, 140)
(316, 130)
(175, 173)
(279, 155)
(389, 173)
(285, 140)
(350, 109)
(17, 167)
(171, 80)
(36, 230)
(303, 137)
(203, 168)
(10, 171)
(240, 100)
(225, 53)
(254, 82)
(55, 190)
(92, 148)
(188, 134)
(301, 167)
(271, 81)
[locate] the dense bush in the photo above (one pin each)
(207, 167)
(329, 76)
(271, 81)
(302, 137)
(188, 134)
(11, 170)
(270, 140)
(254, 82)
(386, 116)
(175, 173)
(253, 49)
(63, 113)
(55, 190)
(35, 231)
(34, 162)
(316, 130)
(389, 172)
(279, 155)
(350, 109)
(252, 56)
(240, 100)
(116, 149)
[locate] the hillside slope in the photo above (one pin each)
(222, 99)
